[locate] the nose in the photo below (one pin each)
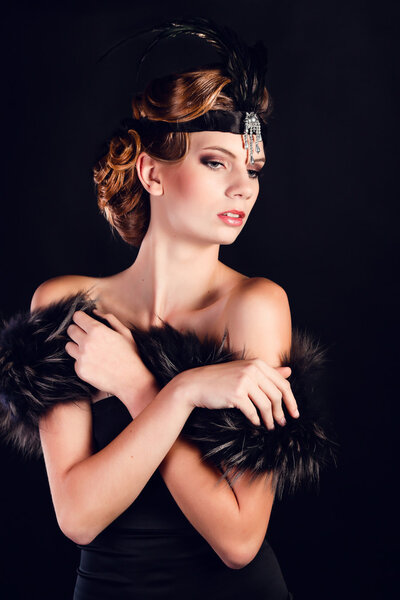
(240, 185)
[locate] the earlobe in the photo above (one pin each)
(147, 169)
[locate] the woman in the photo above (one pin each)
(152, 518)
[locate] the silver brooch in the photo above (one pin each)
(252, 127)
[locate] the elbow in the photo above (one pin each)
(77, 535)
(240, 555)
(73, 529)
(239, 550)
(81, 538)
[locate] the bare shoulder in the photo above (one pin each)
(258, 318)
(258, 294)
(56, 288)
(260, 287)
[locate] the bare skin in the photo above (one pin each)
(177, 277)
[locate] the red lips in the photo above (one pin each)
(236, 212)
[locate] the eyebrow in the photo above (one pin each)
(229, 153)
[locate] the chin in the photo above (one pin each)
(227, 243)
(229, 239)
(218, 240)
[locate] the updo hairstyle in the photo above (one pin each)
(184, 96)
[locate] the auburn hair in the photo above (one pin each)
(180, 96)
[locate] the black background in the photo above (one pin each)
(324, 227)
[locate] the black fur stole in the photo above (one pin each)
(36, 372)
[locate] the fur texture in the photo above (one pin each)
(36, 372)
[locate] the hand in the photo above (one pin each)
(104, 357)
(244, 384)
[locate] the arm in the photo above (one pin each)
(90, 490)
(233, 519)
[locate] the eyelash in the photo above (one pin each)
(207, 162)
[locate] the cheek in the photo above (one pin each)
(190, 185)
(183, 185)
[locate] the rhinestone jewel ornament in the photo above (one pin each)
(252, 127)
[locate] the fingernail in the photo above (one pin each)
(282, 422)
(296, 413)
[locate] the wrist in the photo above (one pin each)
(182, 390)
(142, 384)
(178, 395)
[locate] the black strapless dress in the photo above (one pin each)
(152, 552)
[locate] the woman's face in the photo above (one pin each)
(215, 177)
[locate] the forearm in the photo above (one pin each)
(99, 488)
(227, 516)
(208, 502)
(230, 518)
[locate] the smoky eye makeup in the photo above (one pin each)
(260, 171)
(205, 160)
(216, 163)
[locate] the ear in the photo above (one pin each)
(148, 171)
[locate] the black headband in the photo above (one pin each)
(242, 122)
(214, 120)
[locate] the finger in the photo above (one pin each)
(249, 410)
(263, 404)
(75, 333)
(116, 324)
(274, 396)
(72, 349)
(284, 371)
(288, 397)
(283, 385)
(85, 321)
(103, 317)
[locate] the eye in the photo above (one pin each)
(212, 164)
(216, 164)
(256, 174)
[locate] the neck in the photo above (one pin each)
(172, 276)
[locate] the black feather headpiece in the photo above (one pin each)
(244, 65)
